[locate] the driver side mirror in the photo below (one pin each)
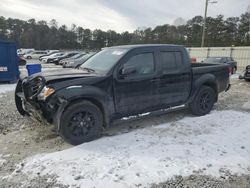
(125, 71)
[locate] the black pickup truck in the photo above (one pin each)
(118, 82)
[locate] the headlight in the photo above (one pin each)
(46, 91)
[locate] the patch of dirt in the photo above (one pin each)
(21, 137)
(203, 181)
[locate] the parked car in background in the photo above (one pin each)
(63, 61)
(118, 82)
(21, 61)
(78, 62)
(49, 54)
(50, 51)
(66, 55)
(227, 60)
(246, 74)
(23, 51)
(48, 59)
(35, 54)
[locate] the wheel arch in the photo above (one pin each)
(66, 103)
(205, 80)
(214, 86)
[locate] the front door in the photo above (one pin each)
(136, 92)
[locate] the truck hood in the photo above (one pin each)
(63, 74)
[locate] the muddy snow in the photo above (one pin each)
(7, 87)
(153, 154)
(167, 150)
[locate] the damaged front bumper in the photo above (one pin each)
(48, 111)
(34, 112)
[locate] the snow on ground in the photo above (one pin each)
(2, 161)
(7, 87)
(235, 76)
(246, 106)
(153, 154)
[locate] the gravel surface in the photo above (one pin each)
(21, 137)
(201, 181)
(10, 118)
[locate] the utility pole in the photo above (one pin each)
(205, 21)
(204, 25)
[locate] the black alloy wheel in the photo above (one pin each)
(81, 122)
(204, 101)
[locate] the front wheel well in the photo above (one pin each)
(95, 102)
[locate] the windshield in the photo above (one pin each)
(103, 61)
(213, 60)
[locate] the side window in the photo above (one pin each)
(170, 61)
(178, 58)
(143, 64)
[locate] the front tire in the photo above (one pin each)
(81, 122)
(203, 102)
(18, 100)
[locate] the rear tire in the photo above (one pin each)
(81, 122)
(203, 102)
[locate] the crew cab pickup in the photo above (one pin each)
(118, 82)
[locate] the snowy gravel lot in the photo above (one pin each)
(168, 150)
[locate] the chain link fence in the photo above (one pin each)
(239, 54)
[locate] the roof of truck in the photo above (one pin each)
(145, 45)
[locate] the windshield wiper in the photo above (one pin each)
(88, 69)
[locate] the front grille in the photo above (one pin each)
(33, 86)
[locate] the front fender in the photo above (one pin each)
(71, 94)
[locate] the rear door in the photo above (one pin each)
(175, 79)
(136, 92)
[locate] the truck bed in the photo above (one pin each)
(218, 71)
(199, 68)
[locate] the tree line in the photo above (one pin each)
(220, 31)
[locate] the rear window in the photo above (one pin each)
(170, 61)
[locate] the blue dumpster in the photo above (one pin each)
(8, 62)
(33, 68)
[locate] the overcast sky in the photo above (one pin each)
(119, 15)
